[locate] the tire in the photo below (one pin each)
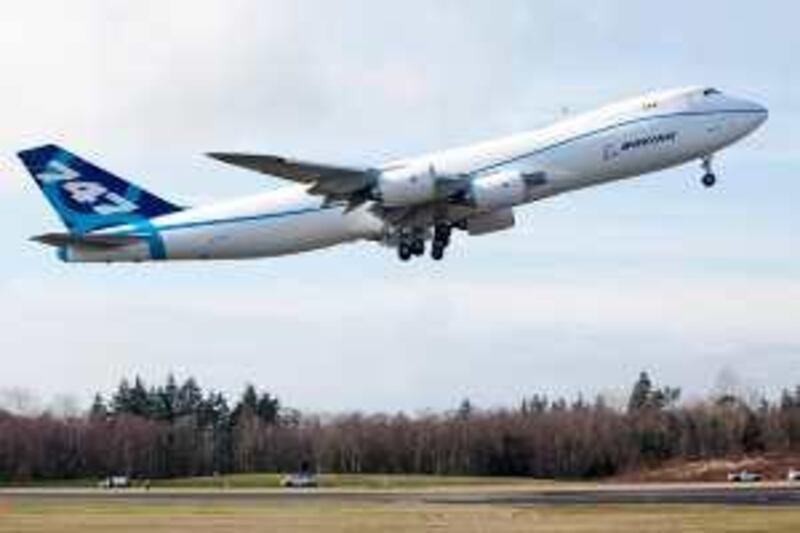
(709, 180)
(418, 247)
(442, 234)
(437, 253)
(404, 252)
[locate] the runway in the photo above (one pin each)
(685, 494)
(769, 496)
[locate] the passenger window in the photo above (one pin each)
(650, 105)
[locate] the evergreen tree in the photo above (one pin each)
(139, 399)
(640, 395)
(263, 406)
(121, 400)
(268, 408)
(168, 399)
(189, 398)
(213, 410)
(465, 409)
(645, 396)
(99, 409)
(663, 398)
(250, 398)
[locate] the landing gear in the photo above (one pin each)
(441, 240)
(709, 179)
(411, 242)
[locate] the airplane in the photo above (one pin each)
(403, 204)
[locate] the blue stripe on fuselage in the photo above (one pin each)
(245, 218)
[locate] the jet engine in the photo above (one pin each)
(407, 186)
(499, 190)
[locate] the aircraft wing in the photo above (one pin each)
(89, 241)
(333, 182)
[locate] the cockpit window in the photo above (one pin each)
(710, 91)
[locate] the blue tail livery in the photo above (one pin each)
(86, 197)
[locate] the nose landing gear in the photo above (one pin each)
(709, 179)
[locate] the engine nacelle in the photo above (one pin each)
(407, 186)
(490, 222)
(498, 190)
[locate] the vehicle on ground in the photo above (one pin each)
(403, 204)
(744, 476)
(300, 480)
(793, 475)
(114, 482)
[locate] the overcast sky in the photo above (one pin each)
(590, 288)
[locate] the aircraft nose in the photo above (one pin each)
(760, 113)
(763, 114)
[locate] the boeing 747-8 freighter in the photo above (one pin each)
(402, 204)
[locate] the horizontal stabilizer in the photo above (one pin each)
(100, 242)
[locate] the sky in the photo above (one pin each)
(590, 288)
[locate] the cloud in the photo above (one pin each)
(586, 291)
(422, 343)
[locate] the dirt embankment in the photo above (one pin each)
(773, 467)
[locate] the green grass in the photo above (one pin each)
(353, 481)
(53, 483)
(272, 480)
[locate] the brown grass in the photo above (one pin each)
(389, 517)
(773, 466)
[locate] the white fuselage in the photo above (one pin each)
(622, 140)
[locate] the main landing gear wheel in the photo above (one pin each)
(418, 247)
(404, 251)
(441, 240)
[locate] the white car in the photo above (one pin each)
(300, 481)
(114, 482)
(793, 475)
(744, 476)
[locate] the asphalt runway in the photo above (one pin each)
(708, 496)
(764, 495)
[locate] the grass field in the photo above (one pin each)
(355, 481)
(272, 480)
(345, 517)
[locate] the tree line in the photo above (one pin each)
(179, 429)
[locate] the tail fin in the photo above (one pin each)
(86, 197)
